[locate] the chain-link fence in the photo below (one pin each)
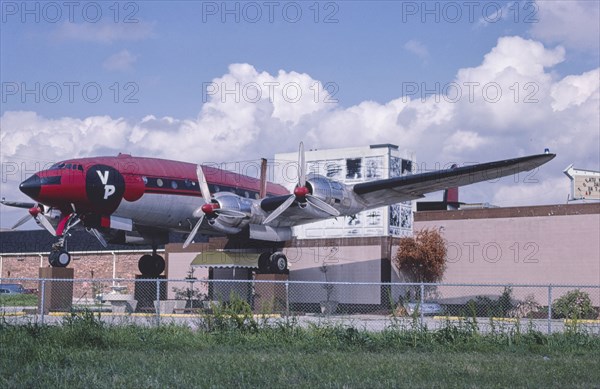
(373, 306)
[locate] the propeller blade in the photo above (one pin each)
(21, 221)
(192, 234)
(41, 219)
(322, 205)
(301, 166)
(98, 236)
(203, 184)
(279, 210)
(17, 204)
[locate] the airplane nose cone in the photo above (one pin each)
(31, 186)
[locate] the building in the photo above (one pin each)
(534, 245)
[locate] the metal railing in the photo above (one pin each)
(373, 306)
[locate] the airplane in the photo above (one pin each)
(139, 200)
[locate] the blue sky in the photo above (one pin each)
(359, 46)
(153, 60)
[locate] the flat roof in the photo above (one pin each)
(506, 212)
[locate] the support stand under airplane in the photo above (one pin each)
(130, 200)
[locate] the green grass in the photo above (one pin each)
(13, 300)
(84, 352)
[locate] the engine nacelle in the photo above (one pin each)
(231, 202)
(333, 193)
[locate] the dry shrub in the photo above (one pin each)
(422, 257)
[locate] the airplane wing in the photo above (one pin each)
(317, 198)
(378, 193)
(410, 187)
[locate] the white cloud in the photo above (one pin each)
(575, 90)
(417, 48)
(531, 190)
(105, 33)
(121, 61)
(573, 23)
(243, 124)
(463, 140)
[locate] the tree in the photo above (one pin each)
(422, 257)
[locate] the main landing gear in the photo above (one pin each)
(151, 265)
(275, 263)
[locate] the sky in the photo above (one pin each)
(203, 81)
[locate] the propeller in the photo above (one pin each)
(37, 213)
(209, 209)
(302, 193)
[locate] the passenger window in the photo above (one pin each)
(174, 184)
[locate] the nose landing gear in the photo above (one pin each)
(59, 257)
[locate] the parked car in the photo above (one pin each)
(427, 308)
(12, 289)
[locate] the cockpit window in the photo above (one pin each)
(57, 166)
(63, 165)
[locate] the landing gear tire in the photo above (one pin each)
(151, 265)
(59, 258)
(264, 262)
(278, 263)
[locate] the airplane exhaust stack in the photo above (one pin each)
(451, 195)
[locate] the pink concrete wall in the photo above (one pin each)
(559, 250)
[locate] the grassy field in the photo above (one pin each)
(13, 300)
(83, 352)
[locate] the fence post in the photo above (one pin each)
(43, 299)
(158, 302)
(421, 301)
(549, 309)
(287, 298)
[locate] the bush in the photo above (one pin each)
(422, 257)
(574, 305)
